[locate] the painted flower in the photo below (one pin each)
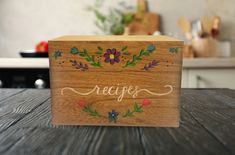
(113, 116)
(82, 103)
(146, 102)
(151, 48)
(112, 56)
(173, 50)
(57, 54)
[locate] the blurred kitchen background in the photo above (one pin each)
(206, 26)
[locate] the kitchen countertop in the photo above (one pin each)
(24, 63)
(209, 63)
(207, 126)
(187, 63)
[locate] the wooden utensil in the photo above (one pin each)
(204, 47)
(185, 25)
(144, 23)
(215, 26)
(188, 51)
(142, 6)
(206, 24)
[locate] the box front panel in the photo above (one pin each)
(115, 83)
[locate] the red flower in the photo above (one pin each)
(82, 103)
(146, 102)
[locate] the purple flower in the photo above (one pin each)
(112, 56)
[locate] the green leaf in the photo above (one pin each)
(57, 54)
(146, 53)
(89, 59)
(128, 114)
(142, 52)
(99, 48)
(99, 52)
(124, 48)
(85, 51)
(93, 64)
(86, 109)
(100, 16)
(94, 113)
(138, 58)
(134, 57)
(128, 62)
(93, 58)
(118, 29)
(74, 50)
(82, 54)
(132, 64)
(96, 64)
(137, 108)
(126, 53)
(128, 18)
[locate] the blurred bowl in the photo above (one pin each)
(33, 54)
(204, 47)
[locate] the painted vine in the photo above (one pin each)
(113, 56)
(136, 58)
(113, 115)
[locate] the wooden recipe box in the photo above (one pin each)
(115, 80)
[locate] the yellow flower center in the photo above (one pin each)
(111, 56)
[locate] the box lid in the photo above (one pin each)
(115, 38)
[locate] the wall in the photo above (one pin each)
(25, 22)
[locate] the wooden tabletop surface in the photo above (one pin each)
(207, 126)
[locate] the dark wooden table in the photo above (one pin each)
(207, 126)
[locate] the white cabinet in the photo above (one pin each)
(184, 80)
(208, 78)
(212, 74)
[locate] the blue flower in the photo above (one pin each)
(57, 54)
(113, 116)
(173, 50)
(151, 48)
(74, 50)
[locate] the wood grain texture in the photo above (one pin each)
(217, 115)
(153, 64)
(190, 138)
(5, 93)
(201, 131)
(16, 107)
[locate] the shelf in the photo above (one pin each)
(187, 63)
(24, 63)
(209, 63)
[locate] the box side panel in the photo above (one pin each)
(52, 56)
(116, 83)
